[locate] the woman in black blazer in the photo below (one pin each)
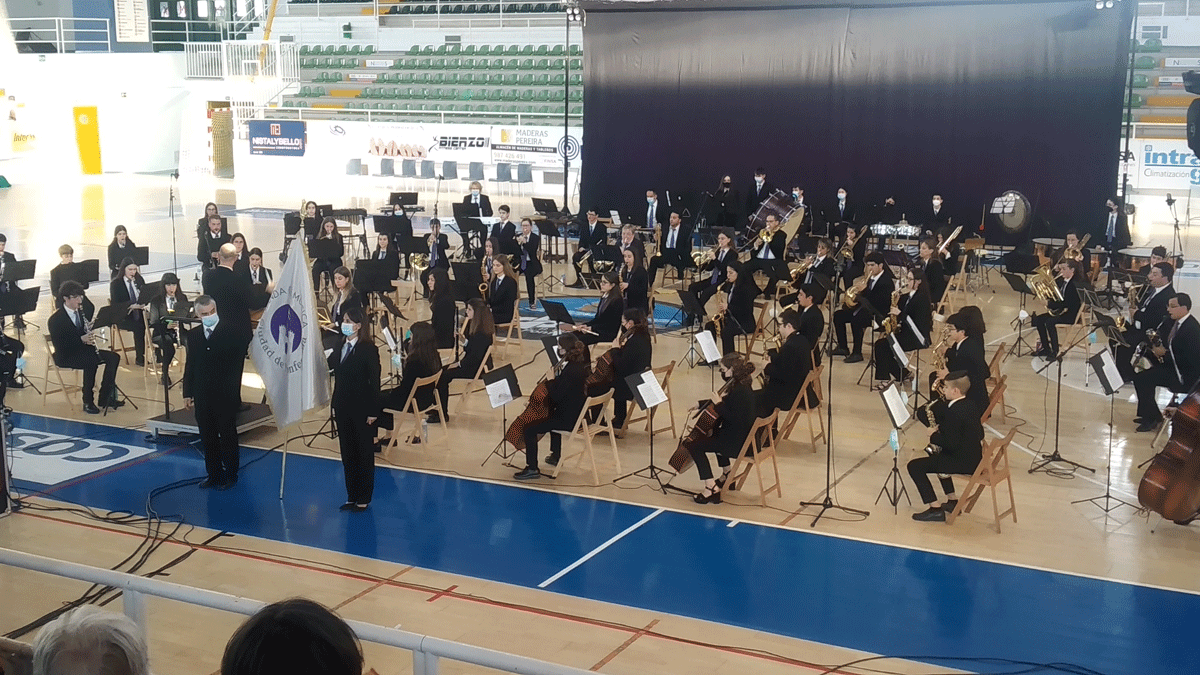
(738, 307)
(633, 355)
(914, 305)
(736, 413)
(935, 272)
(635, 282)
(243, 260)
(355, 404)
(259, 278)
(502, 290)
(345, 296)
(530, 264)
(480, 330)
(163, 332)
(210, 210)
(421, 359)
(441, 302)
(134, 321)
(566, 394)
(120, 248)
(327, 265)
(607, 322)
(966, 353)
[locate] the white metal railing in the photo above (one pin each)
(455, 116)
(243, 58)
(167, 32)
(67, 34)
(203, 60)
(426, 651)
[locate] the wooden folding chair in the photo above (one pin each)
(411, 406)
(994, 380)
(475, 382)
(63, 387)
(513, 326)
(993, 470)
(585, 431)
(758, 448)
(800, 407)
(955, 295)
(1071, 333)
(994, 399)
(759, 323)
(663, 373)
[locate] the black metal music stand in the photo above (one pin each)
(109, 316)
(893, 484)
(141, 255)
(467, 278)
(15, 303)
(506, 374)
(1019, 284)
(558, 313)
(1103, 365)
(549, 231)
(650, 471)
(1041, 462)
(470, 226)
(691, 306)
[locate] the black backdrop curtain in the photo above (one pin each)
(902, 100)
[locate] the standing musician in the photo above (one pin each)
(505, 231)
(633, 354)
(565, 396)
(631, 242)
(635, 283)
(842, 213)
(787, 368)
(728, 201)
(1180, 372)
(355, 406)
(327, 265)
(812, 319)
(163, 331)
(768, 255)
(438, 244)
(939, 216)
(759, 192)
(480, 201)
(607, 322)
(531, 263)
(259, 277)
(806, 221)
(966, 354)
(1116, 228)
(735, 314)
(502, 291)
(656, 214)
(960, 438)
(480, 330)
(1150, 311)
(207, 245)
(914, 318)
(75, 348)
(212, 383)
(706, 288)
(593, 236)
(1064, 312)
(877, 293)
(735, 411)
(121, 247)
(443, 311)
(128, 288)
(935, 273)
(345, 296)
(1157, 254)
(675, 248)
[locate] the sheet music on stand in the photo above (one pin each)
(708, 347)
(502, 386)
(646, 389)
(898, 350)
(896, 406)
(1106, 371)
(1004, 204)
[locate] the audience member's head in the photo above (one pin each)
(90, 641)
(292, 637)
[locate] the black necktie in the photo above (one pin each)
(78, 316)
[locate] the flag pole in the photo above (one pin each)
(287, 431)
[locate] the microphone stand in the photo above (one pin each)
(1046, 460)
(171, 212)
(1177, 241)
(827, 503)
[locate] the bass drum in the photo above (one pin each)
(781, 205)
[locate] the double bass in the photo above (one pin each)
(1171, 484)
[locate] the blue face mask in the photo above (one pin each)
(649, 200)
(396, 360)
(348, 329)
(795, 195)
(474, 193)
(210, 321)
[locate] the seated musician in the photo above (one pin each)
(1178, 368)
(483, 205)
(58, 275)
(768, 255)
(208, 244)
(502, 291)
(632, 354)
(959, 436)
(635, 283)
(1148, 313)
(437, 244)
(812, 320)
(480, 331)
(121, 247)
(630, 242)
(1064, 312)
(345, 296)
(326, 266)
(914, 317)
(966, 353)
(706, 288)
(421, 360)
(74, 348)
(443, 311)
(786, 368)
(951, 255)
(858, 238)
(385, 249)
(491, 248)
(735, 314)
(128, 288)
(164, 333)
(530, 259)
(735, 411)
(935, 274)
(593, 235)
(566, 394)
(607, 322)
(875, 298)
(1157, 254)
(1074, 244)
(312, 221)
(261, 285)
(675, 249)
(823, 264)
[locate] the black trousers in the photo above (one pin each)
(355, 440)
(668, 257)
(531, 440)
(579, 270)
(704, 290)
(699, 451)
(443, 386)
(88, 362)
(621, 398)
(530, 286)
(1146, 384)
(776, 271)
(217, 421)
(164, 346)
(920, 468)
(1045, 324)
(729, 331)
(1123, 355)
(858, 319)
(324, 266)
(887, 366)
(136, 324)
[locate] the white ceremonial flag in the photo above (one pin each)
(287, 345)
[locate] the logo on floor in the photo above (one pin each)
(49, 459)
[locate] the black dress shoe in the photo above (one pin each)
(359, 508)
(1148, 425)
(207, 483)
(854, 358)
(840, 351)
(553, 459)
(949, 506)
(226, 485)
(712, 498)
(115, 402)
(140, 361)
(165, 380)
(933, 514)
(91, 409)
(348, 506)
(528, 473)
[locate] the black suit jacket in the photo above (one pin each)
(567, 393)
(477, 345)
(812, 324)
(737, 412)
(531, 250)
(507, 234)
(968, 355)
(119, 292)
(786, 372)
(607, 322)
(442, 244)
(213, 369)
(936, 220)
(637, 295)
(741, 304)
(116, 254)
(443, 311)
(1184, 351)
(485, 205)
(683, 240)
(843, 214)
(205, 247)
(661, 213)
(1070, 301)
(880, 296)
(960, 433)
(501, 299)
(69, 348)
(755, 197)
(718, 266)
(1153, 310)
(232, 294)
(778, 245)
(935, 274)
(639, 250)
(918, 307)
(827, 266)
(389, 254)
(633, 357)
(1122, 238)
(590, 236)
(356, 379)
(337, 310)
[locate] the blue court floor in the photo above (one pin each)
(870, 597)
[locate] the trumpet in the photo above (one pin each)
(657, 241)
(847, 249)
(701, 257)
(522, 239)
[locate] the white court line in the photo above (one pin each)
(617, 537)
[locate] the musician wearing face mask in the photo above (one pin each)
(1116, 226)
(656, 213)
(356, 404)
(798, 202)
(840, 214)
(1064, 312)
(1178, 368)
(675, 248)
(593, 237)
(1150, 311)
(938, 216)
(760, 190)
(478, 200)
(212, 383)
(633, 355)
(706, 288)
(960, 438)
(728, 202)
(735, 409)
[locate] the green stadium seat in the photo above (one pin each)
(557, 50)
(526, 108)
(527, 50)
(483, 50)
(1145, 63)
(451, 79)
(556, 94)
(437, 78)
(405, 93)
(304, 91)
(527, 64)
(576, 80)
(341, 50)
(576, 64)
(576, 50)
(421, 78)
(576, 110)
(542, 80)
(1141, 81)
(467, 64)
(1152, 45)
(453, 50)
(414, 50)
(305, 50)
(403, 78)
(558, 64)
(318, 91)
(440, 51)
(542, 109)
(393, 93)
(527, 8)
(405, 8)
(513, 50)
(482, 64)
(427, 50)
(453, 64)
(509, 95)
(469, 50)
(576, 95)
(558, 80)
(324, 62)
(1137, 101)
(526, 80)
(512, 80)
(513, 64)
(526, 94)
(424, 64)
(438, 64)
(355, 50)
(495, 95)
(320, 77)
(335, 77)
(496, 79)
(542, 64)
(543, 95)
(436, 107)
(559, 110)
(377, 106)
(542, 50)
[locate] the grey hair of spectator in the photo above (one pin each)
(89, 640)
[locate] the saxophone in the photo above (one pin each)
(891, 322)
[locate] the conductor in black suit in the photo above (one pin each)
(212, 384)
(593, 236)
(1064, 312)
(231, 292)
(960, 437)
(483, 205)
(878, 294)
(210, 242)
(760, 190)
(786, 368)
(75, 347)
(676, 249)
(355, 404)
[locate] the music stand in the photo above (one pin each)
(84, 272)
(1110, 378)
(893, 484)
(109, 316)
(549, 231)
(375, 276)
(1019, 284)
(141, 255)
(1044, 460)
(502, 388)
(17, 302)
(557, 312)
(544, 206)
(649, 395)
(467, 279)
(469, 224)
(691, 306)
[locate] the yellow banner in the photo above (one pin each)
(87, 137)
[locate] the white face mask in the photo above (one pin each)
(759, 180)
(649, 200)
(937, 202)
(841, 196)
(209, 321)
(347, 329)
(474, 193)
(396, 360)
(796, 196)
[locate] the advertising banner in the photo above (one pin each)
(1164, 164)
(371, 142)
(539, 146)
(280, 138)
(1181, 63)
